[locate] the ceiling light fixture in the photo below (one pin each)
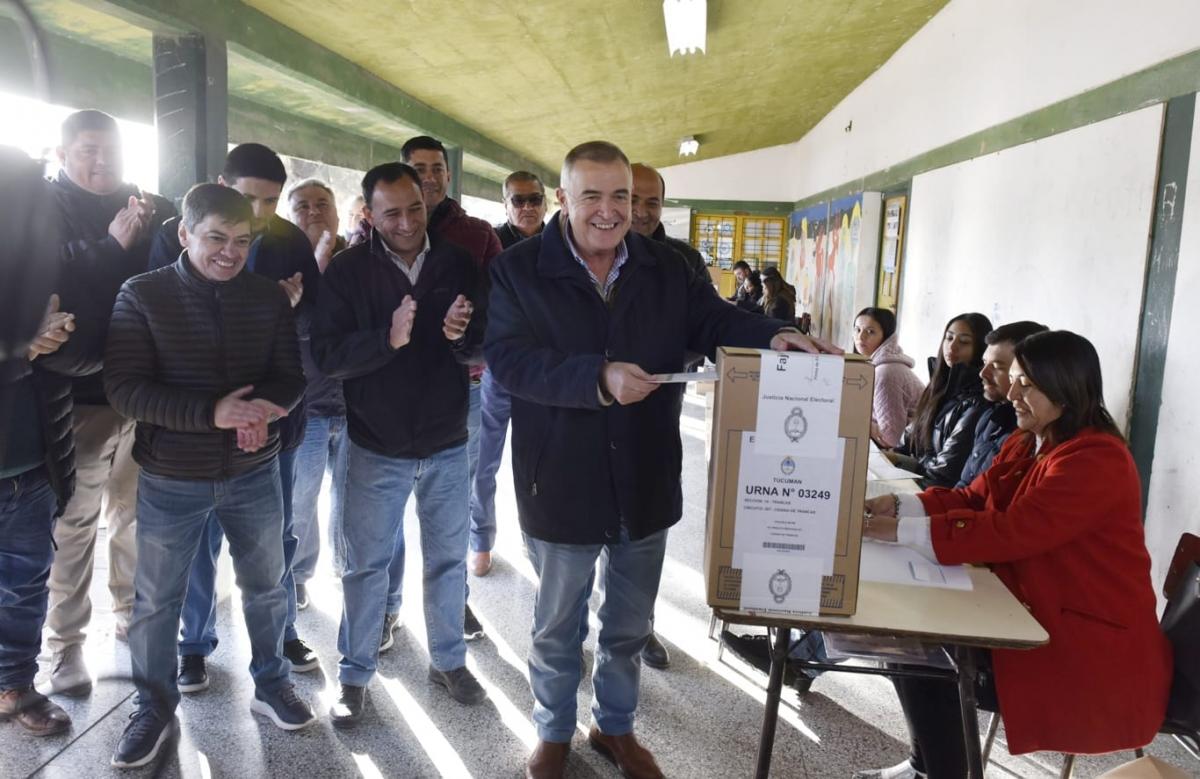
(689, 145)
(687, 21)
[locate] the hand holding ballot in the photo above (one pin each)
(626, 383)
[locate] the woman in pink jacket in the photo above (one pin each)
(897, 388)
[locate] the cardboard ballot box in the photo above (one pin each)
(787, 501)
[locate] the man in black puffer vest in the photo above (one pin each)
(205, 357)
(37, 477)
(37, 455)
(280, 251)
(106, 226)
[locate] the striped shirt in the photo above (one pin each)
(606, 288)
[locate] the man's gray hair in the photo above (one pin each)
(602, 152)
(523, 177)
(313, 182)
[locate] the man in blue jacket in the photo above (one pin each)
(998, 420)
(581, 318)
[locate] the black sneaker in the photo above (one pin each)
(349, 707)
(193, 673)
(283, 707)
(143, 737)
(654, 654)
(756, 651)
(472, 630)
(390, 621)
(301, 597)
(461, 684)
(301, 655)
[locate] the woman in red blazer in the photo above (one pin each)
(1058, 518)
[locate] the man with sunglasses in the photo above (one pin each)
(525, 205)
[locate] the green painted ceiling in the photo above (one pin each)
(540, 76)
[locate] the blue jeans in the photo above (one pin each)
(324, 449)
(27, 506)
(495, 411)
(377, 490)
(808, 645)
(172, 518)
(198, 634)
(629, 576)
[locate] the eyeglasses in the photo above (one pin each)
(520, 201)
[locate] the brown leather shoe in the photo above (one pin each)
(33, 711)
(548, 761)
(480, 563)
(632, 759)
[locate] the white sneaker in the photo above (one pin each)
(903, 770)
(68, 674)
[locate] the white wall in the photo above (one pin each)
(976, 64)
(1172, 507)
(762, 174)
(1055, 230)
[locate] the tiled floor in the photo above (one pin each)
(700, 717)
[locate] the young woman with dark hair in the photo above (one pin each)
(779, 297)
(938, 440)
(1058, 519)
(897, 388)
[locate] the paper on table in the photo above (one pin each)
(799, 403)
(781, 584)
(896, 564)
(879, 468)
(684, 378)
(787, 505)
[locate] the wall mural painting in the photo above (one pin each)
(831, 256)
(806, 259)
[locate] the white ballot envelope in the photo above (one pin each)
(684, 378)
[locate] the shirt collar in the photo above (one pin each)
(603, 286)
(391, 255)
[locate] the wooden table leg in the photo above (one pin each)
(766, 741)
(966, 701)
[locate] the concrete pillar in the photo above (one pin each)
(454, 160)
(191, 95)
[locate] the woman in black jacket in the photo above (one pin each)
(938, 440)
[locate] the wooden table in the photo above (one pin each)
(985, 617)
